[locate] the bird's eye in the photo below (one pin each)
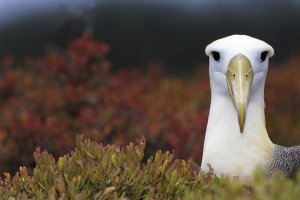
(263, 56)
(216, 55)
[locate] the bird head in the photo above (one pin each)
(238, 66)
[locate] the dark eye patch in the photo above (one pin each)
(216, 55)
(263, 56)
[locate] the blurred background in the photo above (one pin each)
(173, 32)
(115, 70)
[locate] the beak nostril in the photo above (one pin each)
(233, 76)
(246, 76)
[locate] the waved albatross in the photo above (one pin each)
(236, 141)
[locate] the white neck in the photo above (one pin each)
(226, 149)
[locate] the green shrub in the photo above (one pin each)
(94, 171)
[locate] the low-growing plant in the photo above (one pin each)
(95, 171)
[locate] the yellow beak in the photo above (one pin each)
(239, 80)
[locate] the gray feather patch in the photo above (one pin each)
(285, 160)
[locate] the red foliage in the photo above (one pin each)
(53, 98)
(283, 102)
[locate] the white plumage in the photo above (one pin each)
(232, 147)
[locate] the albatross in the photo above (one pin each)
(236, 140)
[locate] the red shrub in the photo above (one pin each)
(53, 98)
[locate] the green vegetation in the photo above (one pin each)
(94, 171)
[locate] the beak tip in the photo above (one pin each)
(241, 129)
(241, 121)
